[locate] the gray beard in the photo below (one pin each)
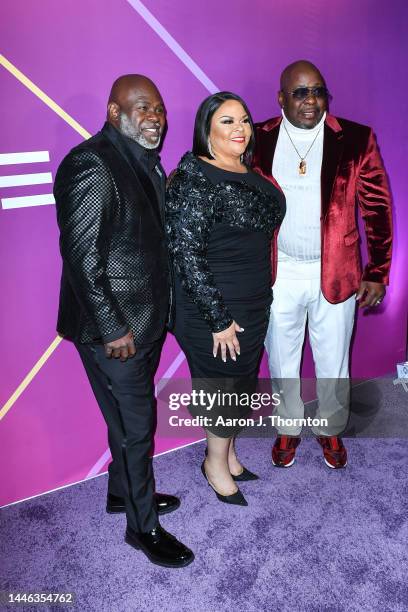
(127, 128)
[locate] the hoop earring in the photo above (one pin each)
(211, 152)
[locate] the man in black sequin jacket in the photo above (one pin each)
(114, 299)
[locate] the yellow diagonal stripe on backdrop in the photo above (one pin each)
(43, 97)
(85, 134)
(22, 386)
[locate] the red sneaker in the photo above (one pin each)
(334, 451)
(284, 450)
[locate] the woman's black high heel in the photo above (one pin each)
(244, 476)
(236, 498)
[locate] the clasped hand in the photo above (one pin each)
(123, 348)
(227, 339)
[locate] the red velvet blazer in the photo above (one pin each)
(352, 174)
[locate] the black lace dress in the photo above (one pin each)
(219, 228)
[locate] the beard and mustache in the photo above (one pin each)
(127, 128)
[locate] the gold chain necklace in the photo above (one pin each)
(302, 164)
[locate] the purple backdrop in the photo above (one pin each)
(52, 434)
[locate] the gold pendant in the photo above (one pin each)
(302, 167)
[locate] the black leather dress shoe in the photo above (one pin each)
(164, 503)
(160, 547)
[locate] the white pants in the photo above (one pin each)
(297, 298)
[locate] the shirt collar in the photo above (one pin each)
(148, 157)
(301, 131)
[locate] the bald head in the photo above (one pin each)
(125, 85)
(303, 95)
(291, 71)
(136, 109)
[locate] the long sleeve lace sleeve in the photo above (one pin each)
(190, 216)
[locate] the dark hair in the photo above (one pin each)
(202, 124)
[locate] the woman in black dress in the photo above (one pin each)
(221, 217)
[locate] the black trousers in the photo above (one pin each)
(125, 394)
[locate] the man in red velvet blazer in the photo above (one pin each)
(326, 168)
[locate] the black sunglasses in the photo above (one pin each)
(301, 93)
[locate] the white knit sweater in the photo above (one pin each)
(299, 236)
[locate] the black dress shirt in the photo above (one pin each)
(150, 161)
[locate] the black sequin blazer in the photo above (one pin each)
(115, 274)
(193, 205)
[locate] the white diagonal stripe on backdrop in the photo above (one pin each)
(95, 469)
(173, 367)
(167, 38)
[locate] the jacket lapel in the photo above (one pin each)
(266, 139)
(268, 146)
(333, 144)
